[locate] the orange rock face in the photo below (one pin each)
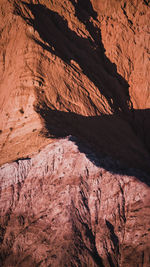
(125, 35)
(74, 68)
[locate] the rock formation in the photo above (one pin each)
(74, 133)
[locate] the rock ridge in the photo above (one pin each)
(74, 133)
(83, 214)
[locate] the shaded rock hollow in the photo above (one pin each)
(76, 68)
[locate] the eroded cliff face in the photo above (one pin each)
(125, 35)
(65, 207)
(70, 56)
(74, 68)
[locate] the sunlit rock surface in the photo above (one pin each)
(72, 56)
(74, 68)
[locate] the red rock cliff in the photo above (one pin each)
(74, 79)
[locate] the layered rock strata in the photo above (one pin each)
(88, 58)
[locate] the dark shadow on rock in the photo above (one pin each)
(117, 135)
(115, 247)
(84, 11)
(89, 246)
(57, 38)
(117, 147)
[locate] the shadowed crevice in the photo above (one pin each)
(89, 53)
(121, 135)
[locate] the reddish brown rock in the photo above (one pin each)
(67, 208)
(64, 54)
(125, 35)
(74, 68)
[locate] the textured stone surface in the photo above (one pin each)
(125, 35)
(74, 68)
(62, 208)
(66, 57)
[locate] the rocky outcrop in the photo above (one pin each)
(125, 35)
(70, 56)
(63, 207)
(74, 79)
